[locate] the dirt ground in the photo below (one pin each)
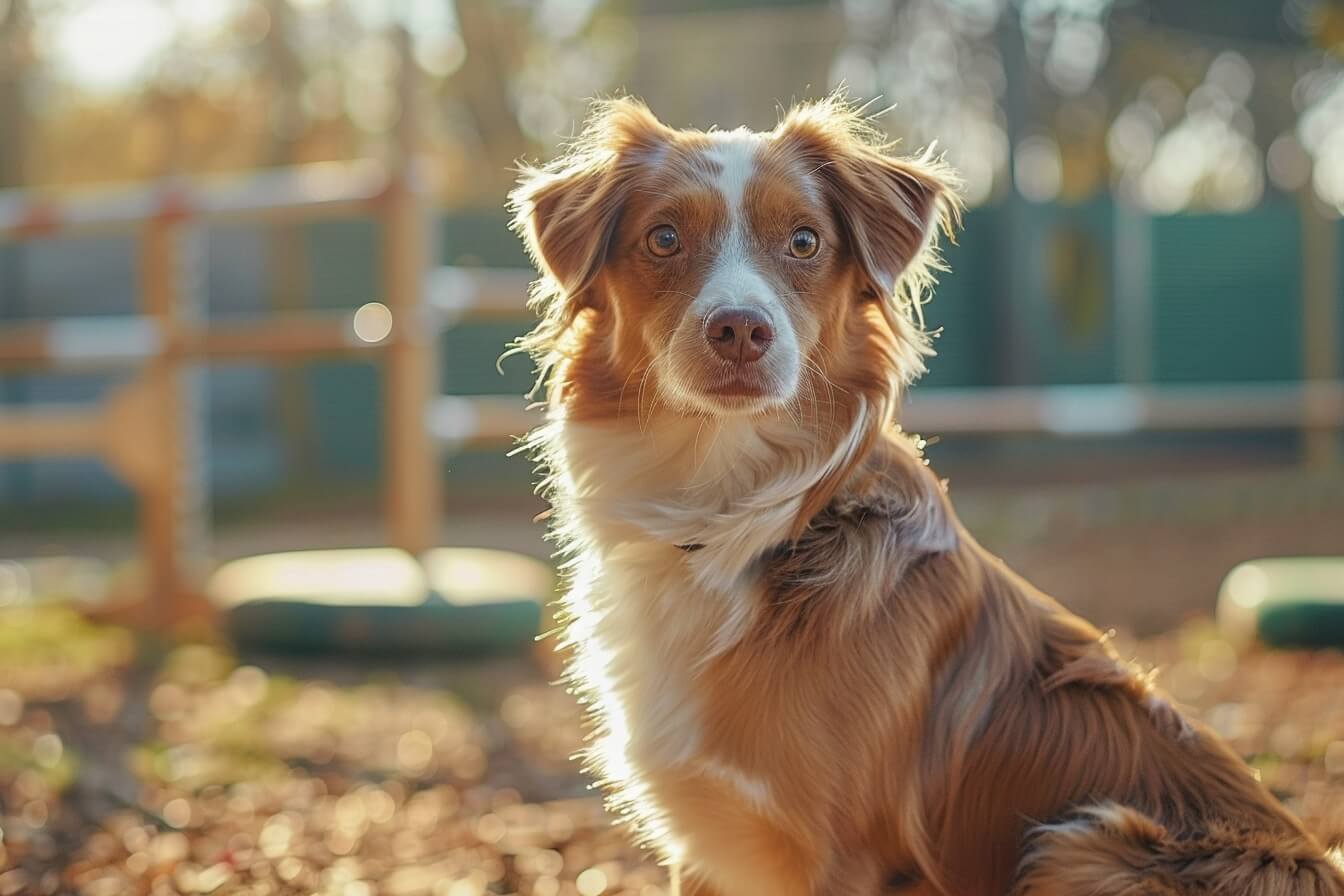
(134, 767)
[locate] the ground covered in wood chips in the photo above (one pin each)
(134, 768)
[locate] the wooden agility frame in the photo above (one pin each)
(144, 431)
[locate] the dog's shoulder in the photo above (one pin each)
(891, 515)
(892, 504)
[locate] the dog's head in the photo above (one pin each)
(730, 272)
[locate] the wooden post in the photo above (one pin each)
(128, 427)
(1320, 320)
(411, 370)
(171, 506)
(16, 28)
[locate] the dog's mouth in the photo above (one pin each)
(741, 386)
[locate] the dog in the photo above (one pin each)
(806, 677)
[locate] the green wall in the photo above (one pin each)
(1227, 296)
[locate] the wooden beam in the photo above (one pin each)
(1105, 410)
(279, 337)
(322, 189)
(79, 343)
(59, 431)
(458, 420)
(131, 341)
(411, 463)
(456, 293)
(121, 431)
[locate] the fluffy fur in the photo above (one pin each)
(806, 677)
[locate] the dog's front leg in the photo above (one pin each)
(849, 878)
(868, 886)
(730, 848)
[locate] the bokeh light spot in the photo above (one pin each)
(372, 322)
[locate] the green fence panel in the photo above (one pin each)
(1227, 296)
(1077, 340)
(342, 263)
(346, 413)
(480, 237)
(960, 311)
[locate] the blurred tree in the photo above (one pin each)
(285, 247)
(495, 35)
(1045, 100)
(16, 62)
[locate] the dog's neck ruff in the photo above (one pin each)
(725, 493)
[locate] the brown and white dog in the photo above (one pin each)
(806, 677)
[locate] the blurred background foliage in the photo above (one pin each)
(1174, 105)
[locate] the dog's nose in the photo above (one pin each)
(739, 334)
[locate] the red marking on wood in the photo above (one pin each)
(174, 205)
(39, 219)
(392, 185)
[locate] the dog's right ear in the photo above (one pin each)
(567, 210)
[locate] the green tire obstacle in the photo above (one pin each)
(1284, 602)
(448, 601)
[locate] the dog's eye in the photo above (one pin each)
(804, 243)
(663, 241)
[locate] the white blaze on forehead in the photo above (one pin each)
(735, 154)
(734, 277)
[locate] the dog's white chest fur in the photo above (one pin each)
(648, 615)
(648, 624)
(646, 629)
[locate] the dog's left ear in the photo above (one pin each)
(890, 207)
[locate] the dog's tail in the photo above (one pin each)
(1113, 850)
